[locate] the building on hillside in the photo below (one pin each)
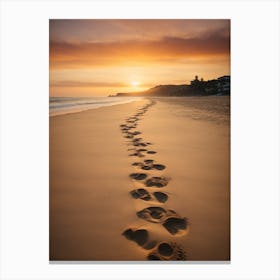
(211, 87)
(223, 85)
(197, 86)
(219, 86)
(196, 81)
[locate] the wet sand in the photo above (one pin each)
(144, 180)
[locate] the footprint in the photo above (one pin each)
(160, 196)
(137, 139)
(128, 128)
(141, 193)
(158, 182)
(137, 164)
(141, 150)
(153, 257)
(146, 167)
(165, 249)
(175, 224)
(140, 237)
(158, 166)
(148, 164)
(145, 195)
(153, 214)
(135, 133)
(129, 133)
(151, 152)
(171, 221)
(136, 144)
(138, 176)
(168, 252)
(123, 125)
(137, 154)
(142, 144)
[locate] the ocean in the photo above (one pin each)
(66, 105)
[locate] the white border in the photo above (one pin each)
(255, 138)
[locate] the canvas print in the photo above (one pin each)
(139, 140)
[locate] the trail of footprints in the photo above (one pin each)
(149, 192)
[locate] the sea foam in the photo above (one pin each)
(66, 105)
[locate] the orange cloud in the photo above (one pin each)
(70, 83)
(168, 49)
(85, 84)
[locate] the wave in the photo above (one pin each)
(66, 105)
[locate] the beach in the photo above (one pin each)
(145, 180)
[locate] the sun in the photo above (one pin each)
(134, 83)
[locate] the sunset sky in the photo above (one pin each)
(102, 57)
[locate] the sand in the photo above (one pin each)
(165, 196)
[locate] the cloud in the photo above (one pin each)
(104, 30)
(130, 52)
(86, 84)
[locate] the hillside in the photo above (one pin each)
(219, 86)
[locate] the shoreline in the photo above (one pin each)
(163, 98)
(81, 105)
(90, 184)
